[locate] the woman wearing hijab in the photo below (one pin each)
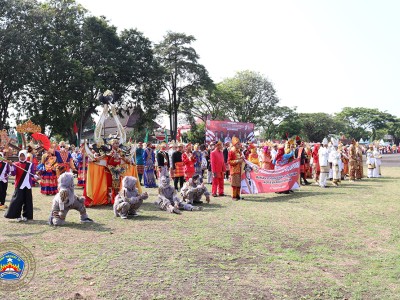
(21, 200)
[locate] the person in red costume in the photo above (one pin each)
(21, 200)
(188, 161)
(218, 169)
(316, 167)
(114, 159)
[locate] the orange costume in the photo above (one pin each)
(345, 161)
(104, 179)
(267, 159)
(235, 160)
(308, 168)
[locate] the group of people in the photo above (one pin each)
(186, 165)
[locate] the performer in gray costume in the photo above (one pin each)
(128, 200)
(193, 190)
(168, 199)
(65, 200)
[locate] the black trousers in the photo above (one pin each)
(181, 180)
(3, 192)
(21, 201)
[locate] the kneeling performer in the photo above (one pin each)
(128, 200)
(168, 199)
(193, 190)
(65, 200)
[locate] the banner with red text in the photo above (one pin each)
(257, 181)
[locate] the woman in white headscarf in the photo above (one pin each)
(21, 200)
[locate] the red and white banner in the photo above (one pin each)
(257, 181)
(224, 131)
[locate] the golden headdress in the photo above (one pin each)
(235, 140)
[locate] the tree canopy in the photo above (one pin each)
(56, 57)
(184, 76)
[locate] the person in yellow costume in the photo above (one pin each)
(235, 160)
(253, 156)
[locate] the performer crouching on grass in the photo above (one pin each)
(65, 200)
(128, 199)
(21, 200)
(194, 189)
(169, 201)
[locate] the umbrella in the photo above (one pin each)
(40, 137)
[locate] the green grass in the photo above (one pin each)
(336, 243)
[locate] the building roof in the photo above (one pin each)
(128, 121)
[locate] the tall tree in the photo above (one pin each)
(58, 71)
(75, 57)
(16, 34)
(248, 97)
(184, 76)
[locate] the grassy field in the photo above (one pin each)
(335, 243)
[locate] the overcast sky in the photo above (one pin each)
(320, 55)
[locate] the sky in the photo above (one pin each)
(320, 55)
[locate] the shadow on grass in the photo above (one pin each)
(147, 218)
(28, 223)
(101, 207)
(380, 179)
(210, 205)
(87, 227)
(286, 197)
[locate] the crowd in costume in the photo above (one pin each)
(112, 171)
(114, 174)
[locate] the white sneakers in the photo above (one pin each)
(23, 219)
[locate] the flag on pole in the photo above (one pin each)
(19, 138)
(178, 135)
(166, 135)
(146, 138)
(75, 128)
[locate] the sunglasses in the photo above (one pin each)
(62, 146)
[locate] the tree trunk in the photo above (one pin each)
(170, 126)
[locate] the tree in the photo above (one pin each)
(248, 97)
(58, 75)
(208, 104)
(77, 56)
(316, 126)
(290, 125)
(270, 126)
(393, 128)
(16, 34)
(184, 76)
(362, 119)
